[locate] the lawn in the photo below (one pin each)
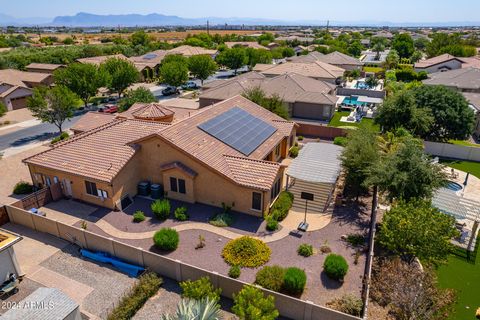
(373, 69)
(335, 122)
(464, 277)
(466, 166)
(464, 143)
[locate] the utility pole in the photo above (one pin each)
(328, 23)
(208, 27)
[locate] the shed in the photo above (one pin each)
(316, 171)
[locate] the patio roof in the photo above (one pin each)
(451, 203)
(370, 100)
(317, 162)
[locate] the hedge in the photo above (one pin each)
(282, 205)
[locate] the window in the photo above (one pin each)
(277, 150)
(257, 201)
(173, 184)
(55, 180)
(181, 186)
(48, 182)
(91, 188)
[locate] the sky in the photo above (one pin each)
(319, 10)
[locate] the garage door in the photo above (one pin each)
(19, 103)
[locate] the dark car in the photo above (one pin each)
(168, 91)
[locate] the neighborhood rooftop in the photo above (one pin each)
(468, 78)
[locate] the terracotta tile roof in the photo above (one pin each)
(248, 75)
(473, 62)
(100, 59)
(150, 59)
(246, 44)
(44, 66)
(22, 78)
(98, 154)
(92, 120)
(152, 111)
(181, 109)
(15, 88)
(181, 166)
(468, 78)
(309, 58)
(316, 69)
(252, 173)
(435, 60)
(338, 58)
(191, 51)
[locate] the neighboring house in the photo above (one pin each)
(474, 101)
(193, 159)
(189, 51)
(43, 67)
(317, 70)
(305, 98)
(444, 62)
(101, 59)
(299, 38)
(371, 57)
(149, 63)
(16, 86)
(336, 58)
(8, 259)
(245, 44)
(463, 80)
(91, 120)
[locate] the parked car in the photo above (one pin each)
(168, 91)
(109, 108)
(190, 85)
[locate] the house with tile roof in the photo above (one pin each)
(304, 97)
(227, 153)
(336, 58)
(317, 70)
(463, 80)
(444, 62)
(189, 51)
(43, 67)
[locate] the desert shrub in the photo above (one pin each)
(355, 239)
(251, 304)
(234, 272)
(300, 138)
(146, 287)
(181, 213)
(166, 239)
(340, 141)
(272, 224)
(294, 151)
(271, 277)
(138, 216)
(161, 208)
(246, 252)
(23, 187)
(294, 280)
(335, 266)
(305, 250)
(61, 137)
(282, 205)
(200, 289)
(223, 219)
(348, 303)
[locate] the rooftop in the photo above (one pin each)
(435, 60)
(100, 59)
(316, 69)
(44, 66)
(468, 78)
(21, 78)
(92, 120)
(191, 51)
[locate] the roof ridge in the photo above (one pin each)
(252, 160)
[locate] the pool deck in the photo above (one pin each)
(472, 190)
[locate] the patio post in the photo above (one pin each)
(472, 238)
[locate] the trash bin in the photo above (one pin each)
(143, 188)
(157, 191)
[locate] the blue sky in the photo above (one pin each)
(339, 10)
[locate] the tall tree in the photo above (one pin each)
(403, 44)
(140, 94)
(174, 73)
(202, 66)
(355, 48)
(392, 60)
(120, 74)
(140, 38)
(415, 229)
(53, 105)
(273, 103)
(234, 58)
(82, 79)
(258, 56)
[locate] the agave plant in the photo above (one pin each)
(189, 309)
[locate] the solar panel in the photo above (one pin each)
(238, 129)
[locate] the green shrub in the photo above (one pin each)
(294, 151)
(246, 252)
(355, 239)
(272, 224)
(224, 219)
(251, 304)
(335, 266)
(305, 250)
(294, 280)
(271, 277)
(161, 208)
(181, 213)
(166, 239)
(23, 187)
(200, 289)
(61, 137)
(348, 303)
(282, 205)
(138, 216)
(340, 141)
(146, 287)
(234, 272)
(300, 138)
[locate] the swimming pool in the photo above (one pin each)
(352, 101)
(453, 186)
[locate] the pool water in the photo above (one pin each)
(352, 101)
(453, 186)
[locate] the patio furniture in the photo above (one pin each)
(10, 285)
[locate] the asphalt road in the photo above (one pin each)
(37, 133)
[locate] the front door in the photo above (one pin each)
(67, 187)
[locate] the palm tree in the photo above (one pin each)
(190, 309)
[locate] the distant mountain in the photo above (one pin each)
(6, 20)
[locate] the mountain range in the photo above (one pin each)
(130, 20)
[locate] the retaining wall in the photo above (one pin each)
(453, 151)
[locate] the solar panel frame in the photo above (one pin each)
(238, 129)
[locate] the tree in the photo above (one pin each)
(251, 304)
(273, 103)
(266, 37)
(415, 229)
(378, 45)
(403, 44)
(421, 43)
(140, 38)
(195, 309)
(140, 94)
(409, 292)
(234, 58)
(202, 66)
(360, 153)
(175, 58)
(406, 173)
(174, 73)
(392, 60)
(53, 105)
(416, 56)
(120, 74)
(3, 109)
(83, 79)
(355, 49)
(258, 56)
(372, 81)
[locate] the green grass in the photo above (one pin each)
(466, 166)
(464, 143)
(373, 69)
(335, 122)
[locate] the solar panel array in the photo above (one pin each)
(238, 129)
